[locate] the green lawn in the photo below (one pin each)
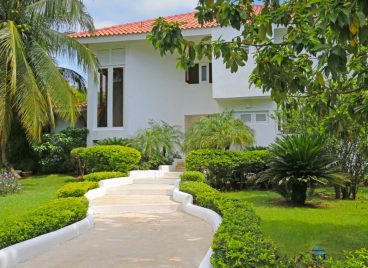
(337, 225)
(35, 191)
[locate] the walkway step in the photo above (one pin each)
(142, 189)
(169, 180)
(145, 208)
(118, 204)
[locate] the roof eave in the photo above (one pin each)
(138, 37)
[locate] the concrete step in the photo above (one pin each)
(142, 189)
(118, 204)
(131, 208)
(172, 175)
(166, 180)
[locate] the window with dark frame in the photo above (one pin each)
(192, 75)
(102, 98)
(199, 73)
(210, 72)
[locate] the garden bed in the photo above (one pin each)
(336, 225)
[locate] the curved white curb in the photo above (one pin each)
(25, 250)
(205, 214)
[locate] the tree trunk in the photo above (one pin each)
(354, 191)
(337, 191)
(5, 161)
(346, 192)
(299, 193)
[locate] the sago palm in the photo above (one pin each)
(218, 131)
(32, 88)
(299, 161)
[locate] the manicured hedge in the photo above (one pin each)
(52, 216)
(222, 165)
(104, 175)
(203, 194)
(239, 241)
(223, 162)
(193, 176)
(107, 158)
(76, 189)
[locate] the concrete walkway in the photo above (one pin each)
(135, 226)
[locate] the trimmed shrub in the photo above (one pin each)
(104, 175)
(221, 166)
(76, 189)
(203, 194)
(193, 176)
(52, 216)
(107, 158)
(239, 241)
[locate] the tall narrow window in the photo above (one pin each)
(210, 72)
(118, 97)
(102, 99)
(204, 73)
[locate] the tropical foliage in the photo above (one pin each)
(53, 154)
(347, 139)
(298, 162)
(159, 144)
(320, 50)
(218, 131)
(160, 139)
(32, 88)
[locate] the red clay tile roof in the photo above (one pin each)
(141, 27)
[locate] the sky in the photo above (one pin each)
(113, 12)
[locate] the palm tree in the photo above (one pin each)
(218, 131)
(299, 161)
(32, 88)
(160, 139)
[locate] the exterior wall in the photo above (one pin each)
(155, 89)
(233, 85)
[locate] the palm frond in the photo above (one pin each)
(69, 15)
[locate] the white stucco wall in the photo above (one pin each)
(155, 89)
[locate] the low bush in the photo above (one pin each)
(239, 241)
(193, 176)
(203, 194)
(8, 183)
(76, 189)
(52, 216)
(223, 166)
(99, 176)
(107, 158)
(53, 153)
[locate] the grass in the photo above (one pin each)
(336, 225)
(35, 191)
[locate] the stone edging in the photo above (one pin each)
(23, 251)
(205, 214)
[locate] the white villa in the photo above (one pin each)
(136, 84)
